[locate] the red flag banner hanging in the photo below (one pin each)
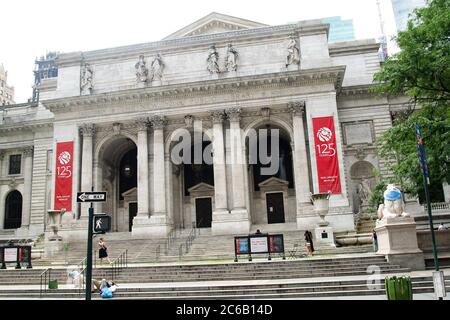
(63, 180)
(326, 155)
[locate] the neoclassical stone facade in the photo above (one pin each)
(125, 108)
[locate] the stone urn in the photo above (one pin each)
(321, 206)
(54, 222)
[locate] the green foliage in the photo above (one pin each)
(421, 70)
(398, 288)
(399, 144)
(376, 197)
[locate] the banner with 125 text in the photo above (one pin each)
(326, 155)
(63, 179)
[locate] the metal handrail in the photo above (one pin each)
(82, 288)
(119, 263)
(45, 278)
(170, 239)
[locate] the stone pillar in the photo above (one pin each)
(301, 169)
(237, 221)
(220, 183)
(157, 224)
(27, 179)
(159, 177)
(142, 163)
(397, 241)
(2, 156)
(87, 131)
(237, 160)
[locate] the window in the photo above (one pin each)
(14, 163)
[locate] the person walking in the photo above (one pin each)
(309, 242)
(375, 241)
(103, 251)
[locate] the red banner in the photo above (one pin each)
(63, 180)
(326, 155)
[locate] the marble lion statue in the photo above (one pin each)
(393, 205)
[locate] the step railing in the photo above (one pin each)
(190, 239)
(171, 238)
(82, 283)
(44, 281)
(118, 264)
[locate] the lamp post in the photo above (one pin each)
(437, 275)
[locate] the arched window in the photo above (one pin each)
(13, 210)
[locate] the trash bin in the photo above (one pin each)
(398, 288)
(53, 284)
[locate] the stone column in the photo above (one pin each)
(237, 160)
(158, 224)
(159, 177)
(27, 179)
(87, 131)
(142, 163)
(2, 156)
(220, 184)
(301, 169)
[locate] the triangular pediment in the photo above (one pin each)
(130, 193)
(272, 182)
(215, 23)
(201, 187)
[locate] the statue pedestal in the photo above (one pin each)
(53, 246)
(324, 235)
(397, 240)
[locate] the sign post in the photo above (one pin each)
(426, 180)
(90, 197)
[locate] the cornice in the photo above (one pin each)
(25, 126)
(332, 75)
(353, 47)
(169, 45)
(367, 89)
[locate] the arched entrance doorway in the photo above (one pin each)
(192, 178)
(13, 210)
(271, 176)
(117, 171)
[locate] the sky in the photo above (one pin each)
(32, 28)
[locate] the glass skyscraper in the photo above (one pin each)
(402, 9)
(340, 30)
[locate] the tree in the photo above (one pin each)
(421, 71)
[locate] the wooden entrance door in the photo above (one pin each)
(203, 212)
(275, 207)
(132, 212)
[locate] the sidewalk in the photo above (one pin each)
(231, 283)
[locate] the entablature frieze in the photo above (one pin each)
(197, 93)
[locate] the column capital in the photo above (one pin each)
(87, 129)
(217, 116)
(2, 154)
(234, 114)
(189, 120)
(28, 151)
(158, 122)
(142, 123)
(297, 108)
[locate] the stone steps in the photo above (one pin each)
(244, 291)
(220, 271)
